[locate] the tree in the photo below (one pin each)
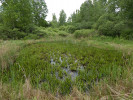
(40, 12)
(126, 10)
(88, 14)
(76, 17)
(54, 21)
(17, 13)
(86, 11)
(62, 18)
(23, 13)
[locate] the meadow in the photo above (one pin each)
(59, 67)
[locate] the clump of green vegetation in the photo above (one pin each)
(68, 28)
(127, 34)
(84, 33)
(63, 33)
(58, 66)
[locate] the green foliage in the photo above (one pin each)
(84, 33)
(66, 86)
(49, 31)
(62, 18)
(75, 17)
(126, 9)
(32, 36)
(21, 14)
(54, 22)
(68, 28)
(17, 14)
(83, 25)
(7, 33)
(31, 32)
(20, 17)
(63, 33)
(104, 18)
(109, 25)
(107, 29)
(119, 27)
(42, 63)
(88, 14)
(62, 28)
(39, 11)
(107, 16)
(127, 34)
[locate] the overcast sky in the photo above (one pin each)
(55, 6)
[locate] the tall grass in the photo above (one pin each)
(7, 50)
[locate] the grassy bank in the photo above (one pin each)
(108, 87)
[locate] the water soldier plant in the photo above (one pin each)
(57, 67)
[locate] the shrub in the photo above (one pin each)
(103, 19)
(56, 30)
(63, 33)
(70, 29)
(29, 32)
(107, 29)
(41, 32)
(118, 28)
(29, 28)
(83, 33)
(109, 25)
(127, 34)
(83, 25)
(32, 36)
(7, 33)
(62, 28)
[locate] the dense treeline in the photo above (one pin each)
(109, 17)
(19, 16)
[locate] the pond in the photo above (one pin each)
(58, 66)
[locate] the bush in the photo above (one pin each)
(63, 33)
(84, 33)
(118, 28)
(29, 28)
(83, 25)
(107, 29)
(62, 28)
(56, 30)
(32, 36)
(31, 33)
(7, 33)
(68, 28)
(127, 34)
(109, 25)
(103, 19)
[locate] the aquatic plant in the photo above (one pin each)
(58, 66)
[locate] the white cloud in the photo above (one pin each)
(55, 6)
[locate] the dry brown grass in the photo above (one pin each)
(120, 90)
(30, 93)
(4, 52)
(27, 92)
(8, 51)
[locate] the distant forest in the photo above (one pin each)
(114, 18)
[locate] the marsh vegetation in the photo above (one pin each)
(58, 66)
(87, 57)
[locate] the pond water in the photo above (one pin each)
(72, 74)
(58, 66)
